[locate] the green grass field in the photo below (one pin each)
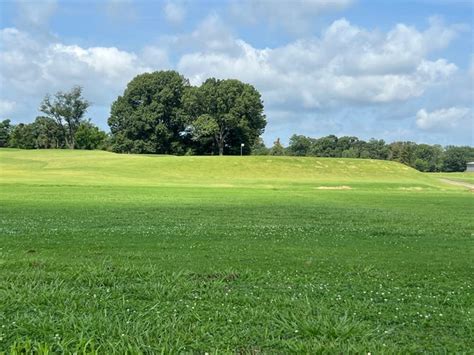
(113, 253)
(464, 177)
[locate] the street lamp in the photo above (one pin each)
(241, 147)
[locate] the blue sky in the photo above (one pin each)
(396, 70)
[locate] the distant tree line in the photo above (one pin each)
(423, 157)
(62, 126)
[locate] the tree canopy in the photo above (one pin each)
(162, 113)
(67, 109)
(227, 113)
(149, 117)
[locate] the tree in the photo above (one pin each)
(454, 159)
(403, 152)
(377, 149)
(148, 117)
(259, 147)
(47, 133)
(428, 157)
(89, 136)
(5, 131)
(325, 146)
(68, 109)
(228, 112)
(277, 148)
(22, 136)
(347, 146)
(299, 145)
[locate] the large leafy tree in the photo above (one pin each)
(68, 109)
(226, 113)
(148, 117)
(47, 132)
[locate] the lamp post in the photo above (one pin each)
(241, 147)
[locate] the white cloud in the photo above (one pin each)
(345, 64)
(211, 35)
(445, 118)
(30, 68)
(174, 12)
(155, 57)
(293, 15)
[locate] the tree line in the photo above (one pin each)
(161, 113)
(158, 113)
(62, 125)
(423, 157)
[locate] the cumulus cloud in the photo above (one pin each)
(445, 118)
(345, 64)
(31, 67)
(293, 15)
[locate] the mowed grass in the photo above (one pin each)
(463, 177)
(142, 254)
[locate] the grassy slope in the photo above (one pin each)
(465, 177)
(103, 168)
(212, 254)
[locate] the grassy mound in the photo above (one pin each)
(104, 168)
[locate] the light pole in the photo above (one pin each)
(241, 147)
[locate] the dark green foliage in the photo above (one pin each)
(423, 157)
(5, 131)
(148, 117)
(403, 152)
(300, 145)
(455, 159)
(22, 136)
(89, 136)
(428, 158)
(67, 109)
(324, 147)
(277, 148)
(259, 148)
(223, 114)
(376, 149)
(48, 133)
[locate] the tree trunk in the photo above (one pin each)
(220, 142)
(221, 147)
